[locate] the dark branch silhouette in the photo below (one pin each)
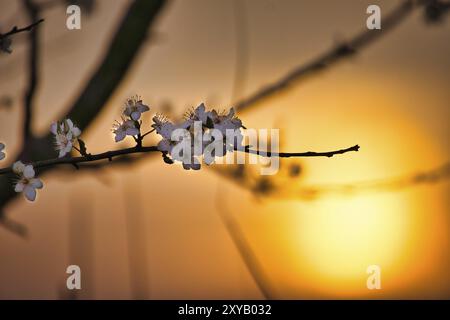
(434, 175)
(41, 147)
(332, 56)
(16, 30)
(141, 149)
(131, 33)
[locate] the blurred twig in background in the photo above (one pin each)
(33, 13)
(336, 54)
(243, 246)
(125, 44)
(123, 50)
(434, 175)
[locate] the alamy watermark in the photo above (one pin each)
(374, 278)
(73, 21)
(217, 146)
(73, 281)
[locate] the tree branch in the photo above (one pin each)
(16, 30)
(140, 149)
(332, 56)
(123, 49)
(33, 56)
(245, 250)
(311, 192)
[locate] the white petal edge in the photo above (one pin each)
(28, 172)
(30, 193)
(36, 183)
(19, 187)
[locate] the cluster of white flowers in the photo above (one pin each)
(27, 183)
(203, 134)
(197, 134)
(66, 133)
(134, 108)
(130, 125)
(2, 154)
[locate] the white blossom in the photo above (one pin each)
(225, 122)
(230, 126)
(163, 126)
(27, 183)
(176, 148)
(65, 135)
(200, 114)
(2, 154)
(125, 128)
(134, 108)
(227, 125)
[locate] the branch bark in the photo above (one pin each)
(126, 42)
(332, 56)
(33, 56)
(140, 149)
(16, 30)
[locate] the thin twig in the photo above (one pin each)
(16, 30)
(147, 133)
(140, 149)
(246, 252)
(241, 59)
(328, 154)
(33, 56)
(131, 34)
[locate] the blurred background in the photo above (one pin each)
(141, 229)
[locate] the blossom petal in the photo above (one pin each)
(68, 147)
(127, 111)
(62, 153)
(19, 187)
(201, 108)
(54, 128)
(120, 135)
(135, 115)
(164, 145)
(36, 183)
(132, 131)
(18, 167)
(30, 193)
(28, 172)
(70, 124)
(142, 107)
(76, 132)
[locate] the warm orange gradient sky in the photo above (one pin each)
(392, 99)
